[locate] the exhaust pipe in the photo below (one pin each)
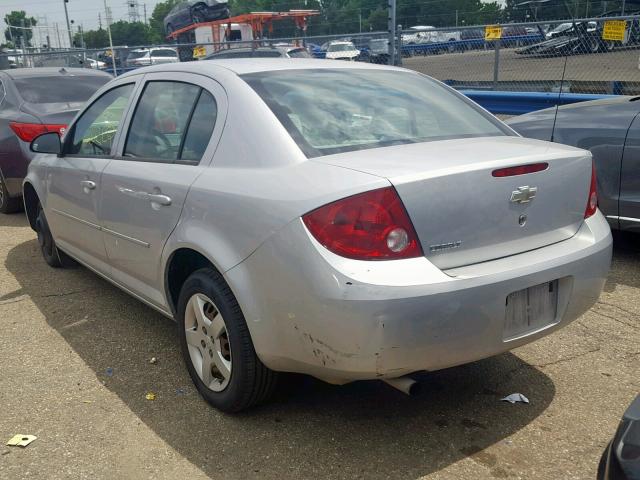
(405, 384)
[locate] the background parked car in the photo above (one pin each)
(342, 51)
(611, 130)
(195, 11)
(621, 458)
(34, 101)
(280, 51)
(143, 57)
(378, 51)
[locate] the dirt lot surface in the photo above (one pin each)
(478, 65)
(75, 368)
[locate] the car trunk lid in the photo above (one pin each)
(462, 213)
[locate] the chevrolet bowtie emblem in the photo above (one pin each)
(524, 194)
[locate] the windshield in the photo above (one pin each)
(562, 27)
(379, 45)
(59, 89)
(329, 111)
(341, 47)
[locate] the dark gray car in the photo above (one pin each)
(34, 101)
(611, 130)
(195, 11)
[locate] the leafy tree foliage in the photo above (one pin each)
(16, 19)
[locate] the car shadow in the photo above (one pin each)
(625, 269)
(365, 429)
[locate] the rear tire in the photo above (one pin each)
(54, 257)
(8, 204)
(216, 345)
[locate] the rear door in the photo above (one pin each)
(630, 180)
(170, 139)
(74, 179)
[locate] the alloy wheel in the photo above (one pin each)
(208, 342)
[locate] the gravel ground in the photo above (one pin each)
(75, 367)
(478, 65)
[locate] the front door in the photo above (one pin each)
(629, 206)
(74, 178)
(144, 189)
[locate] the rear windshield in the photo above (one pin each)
(298, 53)
(164, 53)
(328, 111)
(137, 54)
(341, 47)
(59, 89)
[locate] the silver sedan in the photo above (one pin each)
(345, 221)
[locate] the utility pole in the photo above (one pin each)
(107, 13)
(99, 21)
(144, 9)
(66, 14)
(623, 5)
(58, 35)
(456, 18)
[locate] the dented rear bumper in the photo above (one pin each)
(312, 312)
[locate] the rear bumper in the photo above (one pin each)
(313, 312)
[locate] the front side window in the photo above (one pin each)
(164, 53)
(93, 134)
(173, 121)
(328, 111)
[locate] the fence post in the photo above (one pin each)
(399, 43)
(496, 65)
(392, 31)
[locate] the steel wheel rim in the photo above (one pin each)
(208, 342)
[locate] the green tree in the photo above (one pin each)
(17, 19)
(130, 33)
(93, 38)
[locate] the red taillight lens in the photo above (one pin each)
(520, 170)
(28, 131)
(369, 226)
(592, 202)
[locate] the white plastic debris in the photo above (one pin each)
(515, 398)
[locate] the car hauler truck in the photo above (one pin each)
(202, 39)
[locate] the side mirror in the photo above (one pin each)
(47, 143)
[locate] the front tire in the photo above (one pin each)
(54, 257)
(8, 204)
(216, 345)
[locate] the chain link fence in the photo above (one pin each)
(590, 55)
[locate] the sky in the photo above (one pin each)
(83, 12)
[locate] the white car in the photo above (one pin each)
(92, 63)
(342, 51)
(143, 57)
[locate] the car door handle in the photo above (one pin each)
(88, 184)
(157, 198)
(160, 199)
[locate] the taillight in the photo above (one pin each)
(28, 131)
(592, 202)
(369, 226)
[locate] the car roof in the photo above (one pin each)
(241, 66)
(53, 72)
(341, 42)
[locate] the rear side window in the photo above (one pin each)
(173, 122)
(200, 128)
(59, 88)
